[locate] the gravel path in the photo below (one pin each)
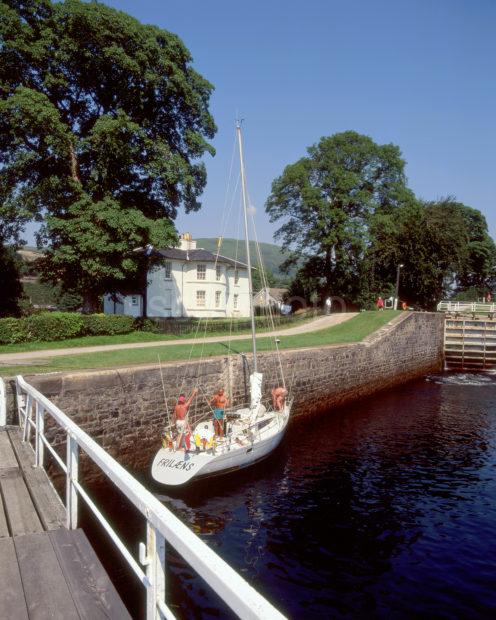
(29, 356)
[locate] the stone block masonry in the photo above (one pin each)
(124, 410)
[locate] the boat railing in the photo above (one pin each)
(161, 525)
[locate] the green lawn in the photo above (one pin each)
(353, 330)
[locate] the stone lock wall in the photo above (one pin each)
(124, 409)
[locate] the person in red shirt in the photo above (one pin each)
(180, 413)
(380, 303)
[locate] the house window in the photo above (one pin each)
(167, 270)
(200, 299)
(217, 299)
(201, 272)
(236, 276)
(218, 273)
(134, 300)
(235, 302)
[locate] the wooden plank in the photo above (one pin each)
(21, 514)
(12, 601)
(45, 589)
(93, 593)
(50, 508)
(4, 529)
(7, 456)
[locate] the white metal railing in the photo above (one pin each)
(3, 403)
(466, 306)
(162, 525)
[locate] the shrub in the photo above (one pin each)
(55, 325)
(13, 331)
(107, 324)
(146, 325)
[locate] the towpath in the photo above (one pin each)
(29, 356)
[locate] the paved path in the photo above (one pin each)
(31, 356)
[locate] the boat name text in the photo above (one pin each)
(173, 464)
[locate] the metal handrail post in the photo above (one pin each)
(40, 429)
(155, 571)
(28, 412)
(3, 403)
(72, 476)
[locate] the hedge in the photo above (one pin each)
(13, 331)
(107, 324)
(49, 326)
(55, 325)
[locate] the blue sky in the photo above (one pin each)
(417, 73)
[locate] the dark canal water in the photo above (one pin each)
(383, 509)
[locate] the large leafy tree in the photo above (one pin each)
(479, 269)
(103, 122)
(444, 247)
(325, 202)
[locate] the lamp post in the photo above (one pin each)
(398, 268)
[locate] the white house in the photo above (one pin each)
(189, 282)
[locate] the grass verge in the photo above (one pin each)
(353, 330)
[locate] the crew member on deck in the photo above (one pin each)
(219, 402)
(180, 413)
(278, 397)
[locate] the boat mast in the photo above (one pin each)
(248, 259)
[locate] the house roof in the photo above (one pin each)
(276, 293)
(198, 255)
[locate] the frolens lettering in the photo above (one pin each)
(173, 464)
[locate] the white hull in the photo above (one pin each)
(240, 449)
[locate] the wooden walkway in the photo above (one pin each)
(46, 571)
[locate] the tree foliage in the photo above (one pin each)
(326, 201)
(444, 248)
(103, 121)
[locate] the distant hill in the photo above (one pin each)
(272, 255)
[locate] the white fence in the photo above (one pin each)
(162, 525)
(474, 307)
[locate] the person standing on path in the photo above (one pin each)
(328, 305)
(219, 402)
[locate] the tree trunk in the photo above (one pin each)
(74, 165)
(91, 303)
(328, 266)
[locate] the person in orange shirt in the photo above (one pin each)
(180, 413)
(219, 402)
(278, 397)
